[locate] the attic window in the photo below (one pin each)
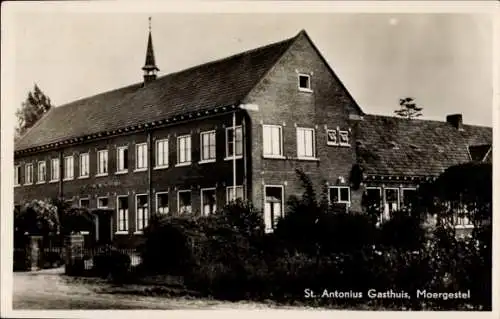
(305, 83)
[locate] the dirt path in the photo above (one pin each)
(51, 289)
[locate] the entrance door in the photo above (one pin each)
(104, 229)
(273, 206)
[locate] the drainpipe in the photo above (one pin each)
(243, 138)
(234, 155)
(150, 172)
(61, 172)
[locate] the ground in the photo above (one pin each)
(51, 289)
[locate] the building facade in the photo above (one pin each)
(191, 141)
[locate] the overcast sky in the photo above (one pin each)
(444, 61)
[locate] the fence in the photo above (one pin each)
(53, 257)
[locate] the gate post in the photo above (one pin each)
(73, 261)
(34, 253)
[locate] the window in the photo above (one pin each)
(305, 143)
(162, 203)
(304, 82)
(460, 216)
(409, 197)
(69, 169)
(162, 153)
(121, 159)
(54, 169)
(28, 174)
(84, 202)
(142, 213)
(273, 206)
(340, 194)
(102, 202)
(184, 202)
(331, 136)
(234, 142)
(272, 141)
(230, 193)
(84, 165)
(141, 156)
(184, 149)
(122, 214)
(344, 138)
(17, 175)
(207, 140)
(373, 198)
(102, 162)
(41, 172)
(391, 202)
(208, 201)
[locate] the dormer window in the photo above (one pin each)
(305, 83)
(344, 138)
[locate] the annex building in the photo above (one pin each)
(190, 141)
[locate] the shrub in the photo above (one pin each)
(52, 259)
(402, 231)
(112, 263)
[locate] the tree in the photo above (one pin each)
(408, 108)
(32, 109)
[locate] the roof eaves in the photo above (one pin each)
(175, 119)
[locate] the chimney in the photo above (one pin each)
(455, 120)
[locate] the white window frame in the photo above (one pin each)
(336, 137)
(99, 203)
(229, 191)
(279, 156)
(340, 201)
(80, 201)
(165, 163)
(99, 168)
(235, 156)
(304, 89)
(201, 199)
(210, 159)
(313, 142)
(379, 193)
(82, 155)
(269, 230)
(343, 132)
(121, 158)
(145, 157)
(145, 217)
(179, 202)
(190, 153)
(157, 201)
(52, 171)
(38, 179)
(118, 231)
(403, 189)
(66, 170)
(28, 181)
(17, 175)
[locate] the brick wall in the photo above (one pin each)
(171, 179)
(281, 103)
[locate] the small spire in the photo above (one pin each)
(150, 67)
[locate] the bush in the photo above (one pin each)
(52, 259)
(402, 231)
(112, 263)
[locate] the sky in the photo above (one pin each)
(444, 61)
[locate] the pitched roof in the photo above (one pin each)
(399, 147)
(223, 82)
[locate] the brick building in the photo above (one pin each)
(188, 142)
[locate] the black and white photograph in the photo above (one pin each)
(214, 156)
